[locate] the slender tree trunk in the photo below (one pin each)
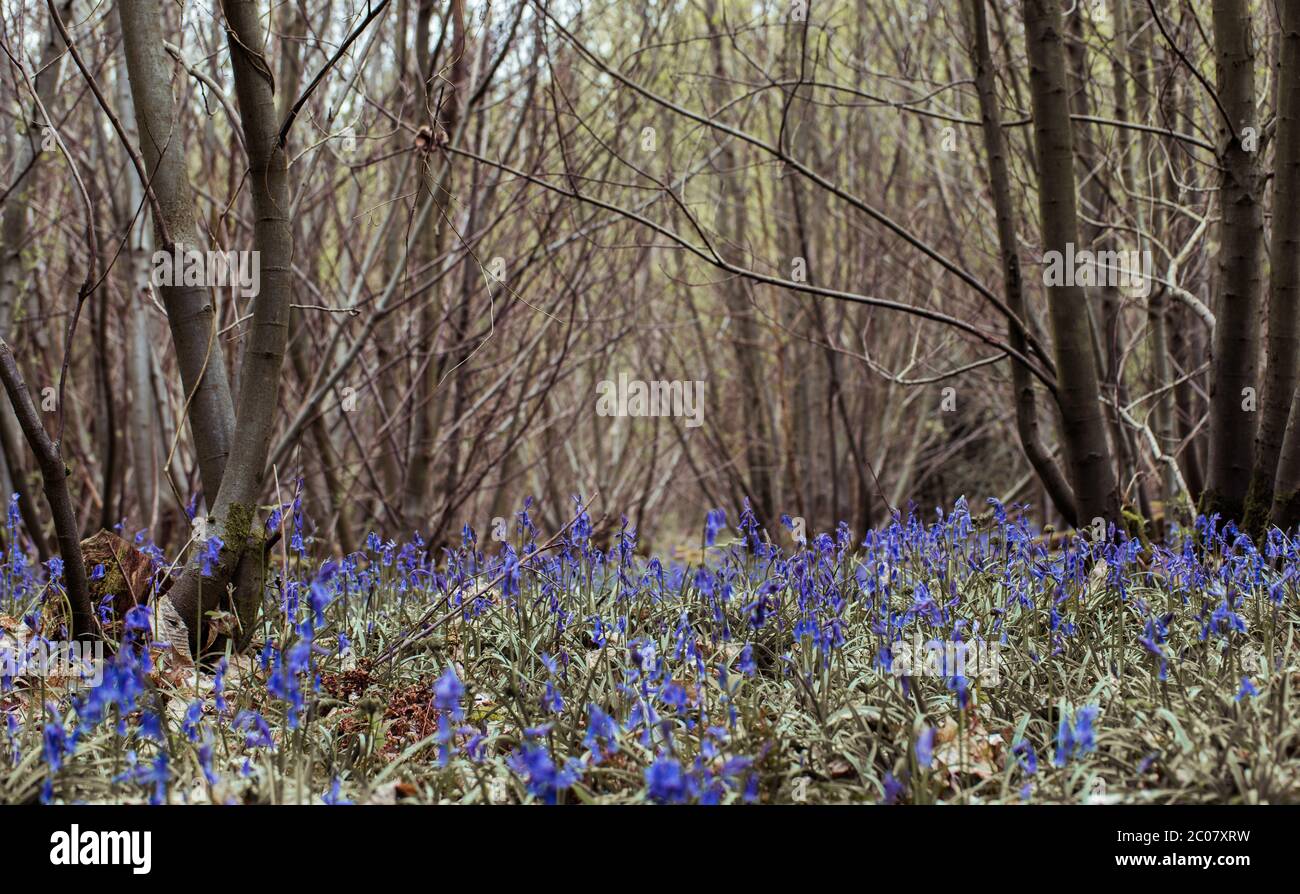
(327, 485)
(54, 478)
(1283, 370)
(190, 313)
(143, 437)
(1186, 340)
(1138, 38)
(1022, 383)
(730, 224)
(436, 190)
(1235, 355)
(1083, 432)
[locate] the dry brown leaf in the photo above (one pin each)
(979, 758)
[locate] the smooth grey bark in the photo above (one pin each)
(143, 437)
(1022, 383)
(234, 516)
(190, 313)
(1083, 432)
(1235, 355)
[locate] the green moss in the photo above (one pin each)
(111, 582)
(244, 573)
(238, 523)
(1259, 500)
(1136, 526)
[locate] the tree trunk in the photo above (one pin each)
(190, 313)
(1283, 369)
(730, 225)
(1083, 430)
(1138, 39)
(143, 437)
(435, 190)
(1235, 355)
(54, 477)
(1022, 383)
(235, 513)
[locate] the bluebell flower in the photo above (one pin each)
(552, 700)
(190, 725)
(893, 789)
(544, 778)
(211, 554)
(1026, 756)
(714, 521)
(1077, 739)
(925, 748)
(333, 796)
(156, 774)
(746, 664)
(219, 686)
(257, 733)
(151, 726)
(205, 762)
(448, 692)
(55, 745)
(601, 738)
(666, 783)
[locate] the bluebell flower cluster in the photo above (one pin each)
(581, 669)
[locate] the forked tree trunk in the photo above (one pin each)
(235, 513)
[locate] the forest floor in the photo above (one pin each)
(958, 661)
